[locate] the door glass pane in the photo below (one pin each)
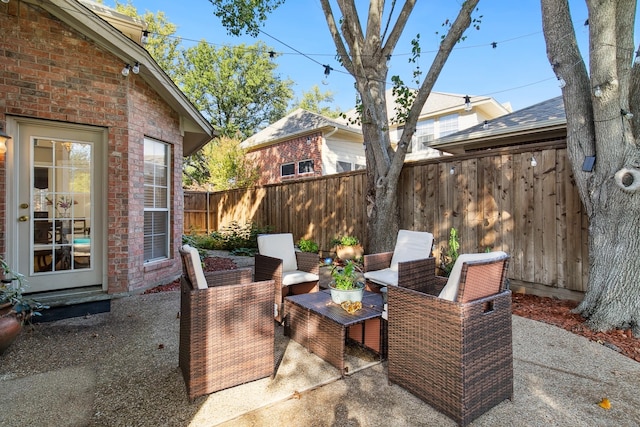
(61, 205)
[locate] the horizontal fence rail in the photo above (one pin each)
(495, 199)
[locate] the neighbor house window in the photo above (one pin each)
(448, 125)
(343, 167)
(287, 169)
(305, 166)
(424, 135)
(156, 200)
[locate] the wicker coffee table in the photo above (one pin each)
(321, 326)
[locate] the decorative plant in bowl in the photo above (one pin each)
(348, 247)
(15, 308)
(346, 285)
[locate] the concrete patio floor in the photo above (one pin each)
(121, 369)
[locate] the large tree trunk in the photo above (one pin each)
(597, 126)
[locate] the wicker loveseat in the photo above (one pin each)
(226, 327)
(450, 340)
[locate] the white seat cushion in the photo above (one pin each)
(279, 246)
(201, 281)
(410, 246)
(385, 277)
(450, 290)
(296, 276)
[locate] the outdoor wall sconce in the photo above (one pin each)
(4, 137)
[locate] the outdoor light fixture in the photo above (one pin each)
(308, 140)
(136, 68)
(145, 37)
(327, 70)
(597, 92)
(125, 70)
(467, 103)
(485, 125)
(4, 137)
(626, 114)
(452, 171)
(534, 163)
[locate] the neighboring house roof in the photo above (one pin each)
(441, 103)
(297, 123)
(546, 119)
(197, 131)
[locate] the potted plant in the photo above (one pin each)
(308, 245)
(15, 308)
(348, 247)
(346, 285)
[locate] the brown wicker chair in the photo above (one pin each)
(406, 264)
(226, 329)
(455, 355)
(293, 272)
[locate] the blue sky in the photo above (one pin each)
(516, 71)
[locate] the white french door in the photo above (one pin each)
(58, 240)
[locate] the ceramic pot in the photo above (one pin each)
(10, 327)
(340, 295)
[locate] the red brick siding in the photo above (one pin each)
(294, 150)
(50, 71)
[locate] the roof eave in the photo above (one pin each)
(460, 144)
(197, 131)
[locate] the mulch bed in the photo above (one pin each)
(548, 310)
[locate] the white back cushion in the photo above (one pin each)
(279, 246)
(411, 245)
(201, 281)
(450, 290)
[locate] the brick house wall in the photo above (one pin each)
(271, 158)
(50, 71)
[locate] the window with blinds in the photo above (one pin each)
(156, 200)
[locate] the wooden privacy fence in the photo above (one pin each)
(495, 199)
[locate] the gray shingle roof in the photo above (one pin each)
(296, 123)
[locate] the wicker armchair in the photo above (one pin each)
(226, 327)
(406, 264)
(456, 353)
(293, 272)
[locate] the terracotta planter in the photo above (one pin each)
(10, 327)
(349, 252)
(340, 295)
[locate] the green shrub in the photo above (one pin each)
(449, 256)
(308, 245)
(345, 241)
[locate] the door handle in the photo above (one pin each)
(23, 218)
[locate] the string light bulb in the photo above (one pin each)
(534, 163)
(597, 92)
(626, 114)
(561, 82)
(452, 171)
(327, 70)
(136, 68)
(467, 103)
(125, 70)
(636, 60)
(485, 125)
(145, 37)
(272, 54)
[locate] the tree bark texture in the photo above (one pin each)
(597, 125)
(364, 54)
